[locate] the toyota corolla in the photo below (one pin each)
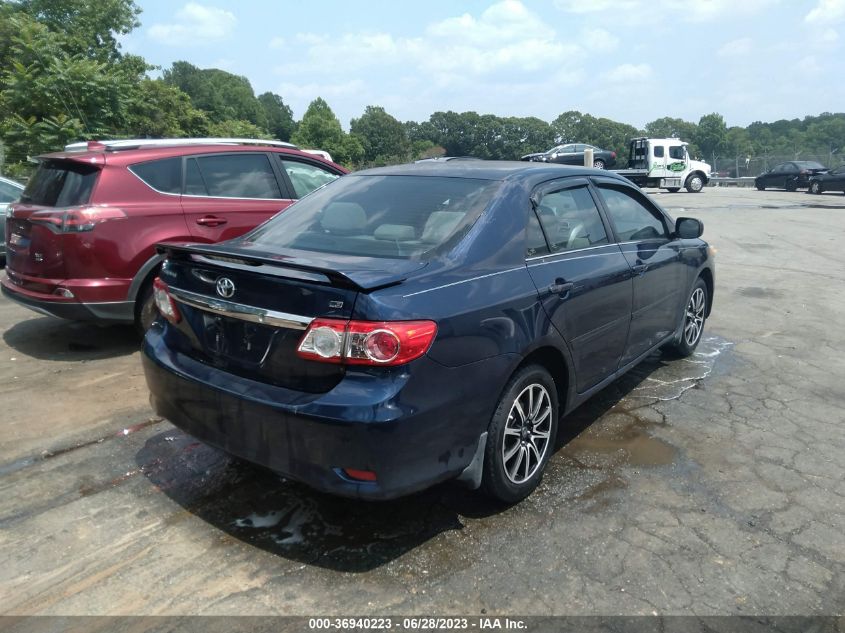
(408, 325)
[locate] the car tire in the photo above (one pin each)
(694, 315)
(790, 185)
(760, 187)
(598, 163)
(145, 308)
(673, 189)
(815, 187)
(694, 183)
(520, 442)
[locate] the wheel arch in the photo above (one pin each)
(145, 274)
(707, 275)
(553, 360)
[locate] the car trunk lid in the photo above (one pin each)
(246, 309)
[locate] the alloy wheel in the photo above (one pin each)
(695, 317)
(527, 433)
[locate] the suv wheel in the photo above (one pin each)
(521, 435)
(815, 187)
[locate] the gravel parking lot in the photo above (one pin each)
(712, 485)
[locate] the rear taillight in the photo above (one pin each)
(76, 220)
(164, 302)
(366, 342)
(613, 154)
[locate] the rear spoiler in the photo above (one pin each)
(265, 263)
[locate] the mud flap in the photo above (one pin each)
(471, 475)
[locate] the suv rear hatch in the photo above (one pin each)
(245, 309)
(36, 226)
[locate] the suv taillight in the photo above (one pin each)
(366, 342)
(77, 219)
(164, 302)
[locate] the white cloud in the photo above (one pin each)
(505, 38)
(733, 48)
(653, 10)
(629, 73)
(195, 24)
(596, 6)
(276, 43)
(826, 11)
(599, 40)
(829, 36)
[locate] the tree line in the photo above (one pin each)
(64, 78)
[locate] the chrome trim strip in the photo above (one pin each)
(240, 311)
(464, 281)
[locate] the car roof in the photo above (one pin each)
(134, 155)
(14, 183)
(490, 170)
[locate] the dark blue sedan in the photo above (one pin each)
(408, 325)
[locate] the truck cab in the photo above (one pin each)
(665, 163)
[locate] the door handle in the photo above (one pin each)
(639, 269)
(211, 220)
(561, 287)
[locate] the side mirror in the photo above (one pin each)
(688, 228)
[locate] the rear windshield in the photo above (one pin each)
(60, 184)
(408, 217)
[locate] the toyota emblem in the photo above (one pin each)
(225, 287)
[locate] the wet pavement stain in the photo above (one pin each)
(602, 445)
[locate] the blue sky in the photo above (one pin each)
(630, 60)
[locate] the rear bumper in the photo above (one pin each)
(413, 426)
(71, 309)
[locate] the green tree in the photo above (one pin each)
(221, 94)
(710, 135)
(234, 128)
(158, 110)
(670, 127)
(87, 28)
(279, 117)
(320, 129)
(383, 137)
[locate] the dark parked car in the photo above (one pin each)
(9, 192)
(833, 180)
(573, 154)
(791, 175)
(81, 240)
(408, 325)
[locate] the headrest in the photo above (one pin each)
(345, 217)
(395, 232)
(440, 224)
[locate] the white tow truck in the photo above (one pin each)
(664, 163)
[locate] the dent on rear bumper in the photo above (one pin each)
(414, 427)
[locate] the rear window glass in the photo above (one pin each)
(60, 184)
(163, 175)
(409, 217)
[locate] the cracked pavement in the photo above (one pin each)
(713, 485)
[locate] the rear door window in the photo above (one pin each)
(305, 177)
(163, 175)
(571, 219)
(58, 183)
(236, 176)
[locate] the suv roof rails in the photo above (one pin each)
(137, 143)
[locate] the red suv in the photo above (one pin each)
(81, 240)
